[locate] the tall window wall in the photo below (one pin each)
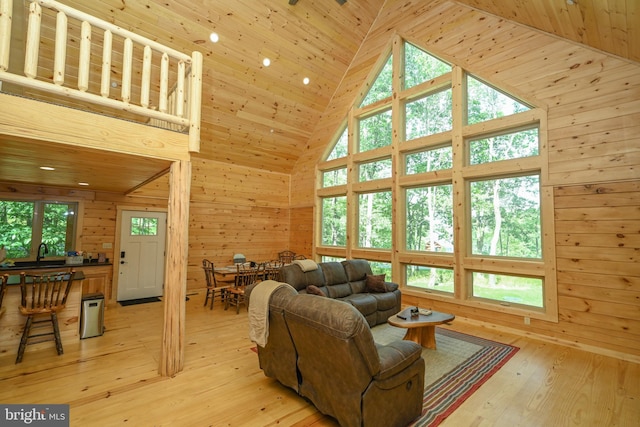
(440, 177)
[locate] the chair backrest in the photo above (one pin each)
(272, 269)
(45, 292)
(286, 257)
(209, 273)
(247, 274)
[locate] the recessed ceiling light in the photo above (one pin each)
(214, 37)
(83, 183)
(47, 168)
(266, 62)
(305, 80)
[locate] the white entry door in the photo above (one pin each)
(142, 252)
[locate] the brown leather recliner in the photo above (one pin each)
(328, 346)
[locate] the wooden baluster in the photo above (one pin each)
(85, 57)
(6, 15)
(60, 49)
(179, 90)
(33, 41)
(105, 82)
(146, 77)
(127, 61)
(164, 82)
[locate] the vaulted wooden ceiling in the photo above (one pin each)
(263, 117)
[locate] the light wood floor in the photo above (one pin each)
(112, 380)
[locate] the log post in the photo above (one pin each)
(175, 274)
(195, 100)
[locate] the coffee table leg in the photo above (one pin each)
(428, 337)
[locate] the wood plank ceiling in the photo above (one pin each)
(262, 117)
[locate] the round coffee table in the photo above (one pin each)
(420, 329)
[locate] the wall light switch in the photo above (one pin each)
(106, 246)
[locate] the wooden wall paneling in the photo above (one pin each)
(235, 210)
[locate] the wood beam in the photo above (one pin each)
(175, 274)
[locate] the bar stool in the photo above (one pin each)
(44, 294)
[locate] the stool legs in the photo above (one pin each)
(24, 339)
(56, 333)
(26, 334)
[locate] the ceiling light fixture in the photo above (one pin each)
(83, 183)
(571, 2)
(305, 80)
(266, 62)
(47, 168)
(214, 37)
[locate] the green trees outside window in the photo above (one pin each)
(26, 224)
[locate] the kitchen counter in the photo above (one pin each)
(49, 265)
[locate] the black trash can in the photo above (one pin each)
(92, 315)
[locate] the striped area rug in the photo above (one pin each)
(459, 366)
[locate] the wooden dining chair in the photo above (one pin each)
(245, 276)
(286, 257)
(272, 269)
(43, 294)
(4, 279)
(214, 290)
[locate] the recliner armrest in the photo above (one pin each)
(391, 286)
(396, 356)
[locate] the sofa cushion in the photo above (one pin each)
(375, 283)
(339, 291)
(333, 273)
(385, 301)
(365, 303)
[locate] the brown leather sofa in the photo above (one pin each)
(347, 281)
(324, 350)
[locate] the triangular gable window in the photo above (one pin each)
(340, 148)
(486, 103)
(421, 67)
(381, 87)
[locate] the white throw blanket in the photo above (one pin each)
(306, 264)
(259, 310)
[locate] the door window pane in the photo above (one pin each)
(144, 226)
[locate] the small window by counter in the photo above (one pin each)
(25, 224)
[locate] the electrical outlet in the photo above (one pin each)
(106, 246)
(527, 320)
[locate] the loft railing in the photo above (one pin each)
(168, 84)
